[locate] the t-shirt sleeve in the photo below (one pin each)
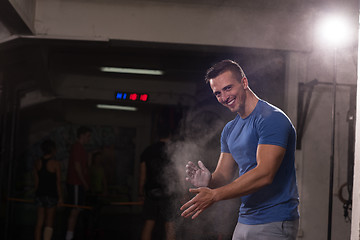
(274, 129)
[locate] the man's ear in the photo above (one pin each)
(245, 82)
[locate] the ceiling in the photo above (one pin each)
(181, 63)
(37, 62)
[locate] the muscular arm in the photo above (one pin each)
(224, 172)
(268, 157)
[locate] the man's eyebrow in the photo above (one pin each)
(227, 86)
(216, 92)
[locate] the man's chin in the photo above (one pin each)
(232, 109)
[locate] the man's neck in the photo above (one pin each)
(250, 104)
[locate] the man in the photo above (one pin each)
(77, 177)
(158, 200)
(260, 142)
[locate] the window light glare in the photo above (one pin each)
(132, 70)
(116, 107)
(334, 30)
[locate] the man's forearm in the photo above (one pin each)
(218, 180)
(248, 183)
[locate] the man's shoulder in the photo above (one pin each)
(265, 106)
(273, 118)
(270, 111)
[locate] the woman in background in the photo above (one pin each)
(47, 190)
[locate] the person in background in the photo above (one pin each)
(98, 183)
(78, 177)
(48, 191)
(260, 144)
(153, 188)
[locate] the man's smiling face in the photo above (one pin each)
(229, 91)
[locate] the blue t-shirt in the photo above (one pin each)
(241, 137)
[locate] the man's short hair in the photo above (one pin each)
(223, 66)
(82, 130)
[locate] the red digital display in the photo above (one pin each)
(131, 96)
(144, 97)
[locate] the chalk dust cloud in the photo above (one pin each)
(199, 139)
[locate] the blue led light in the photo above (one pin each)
(118, 95)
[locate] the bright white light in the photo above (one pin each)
(334, 31)
(132, 70)
(116, 107)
